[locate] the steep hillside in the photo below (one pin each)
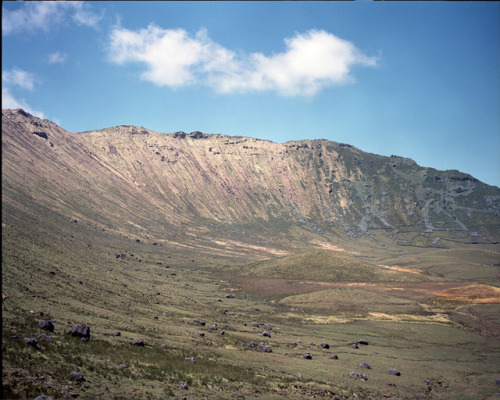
(228, 194)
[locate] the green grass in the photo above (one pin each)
(122, 294)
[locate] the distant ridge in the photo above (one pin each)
(221, 193)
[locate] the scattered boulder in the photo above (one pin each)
(32, 342)
(81, 330)
(393, 371)
(138, 342)
(268, 327)
(121, 366)
(325, 345)
(78, 376)
(212, 327)
(190, 359)
(308, 356)
(43, 397)
(357, 375)
(222, 333)
(334, 357)
(202, 334)
(184, 386)
(365, 365)
(117, 333)
(230, 296)
(202, 323)
(354, 345)
(265, 349)
(45, 337)
(363, 342)
(47, 325)
(266, 334)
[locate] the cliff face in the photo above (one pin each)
(217, 190)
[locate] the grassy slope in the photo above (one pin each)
(95, 271)
(127, 294)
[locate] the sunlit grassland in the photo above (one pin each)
(74, 272)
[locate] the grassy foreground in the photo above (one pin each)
(411, 314)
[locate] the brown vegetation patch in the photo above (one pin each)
(477, 294)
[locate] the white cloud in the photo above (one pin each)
(312, 61)
(57, 58)
(33, 16)
(8, 101)
(18, 77)
(83, 15)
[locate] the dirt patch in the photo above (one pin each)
(400, 269)
(475, 294)
(421, 291)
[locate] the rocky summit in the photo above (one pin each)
(238, 194)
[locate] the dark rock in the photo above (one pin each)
(184, 386)
(325, 345)
(78, 376)
(263, 348)
(252, 344)
(43, 135)
(357, 375)
(498, 381)
(355, 346)
(266, 334)
(32, 342)
(212, 327)
(308, 356)
(138, 342)
(230, 296)
(222, 333)
(81, 330)
(117, 333)
(202, 323)
(334, 357)
(45, 337)
(180, 135)
(393, 371)
(197, 135)
(365, 365)
(363, 342)
(47, 325)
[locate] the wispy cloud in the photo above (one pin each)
(18, 77)
(57, 58)
(8, 101)
(21, 79)
(34, 16)
(312, 61)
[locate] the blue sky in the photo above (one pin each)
(415, 79)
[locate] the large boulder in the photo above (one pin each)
(81, 330)
(33, 342)
(357, 375)
(263, 348)
(47, 325)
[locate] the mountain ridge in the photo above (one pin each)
(233, 193)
